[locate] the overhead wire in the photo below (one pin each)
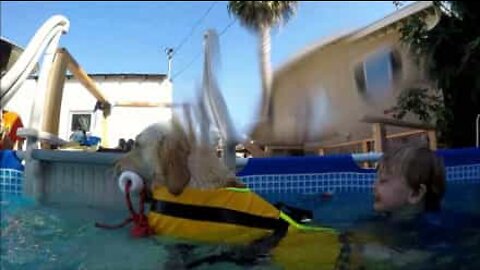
(194, 27)
(197, 56)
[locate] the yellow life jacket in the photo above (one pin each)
(238, 216)
(213, 216)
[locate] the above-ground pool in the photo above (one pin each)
(62, 236)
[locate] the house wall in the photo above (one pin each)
(317, 98)
(124, 122)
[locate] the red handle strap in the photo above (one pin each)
(140, 222)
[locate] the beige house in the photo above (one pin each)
(321, 95)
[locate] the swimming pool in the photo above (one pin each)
(57, 236)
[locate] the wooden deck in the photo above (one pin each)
(378, 142)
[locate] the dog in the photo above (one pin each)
(170, 155)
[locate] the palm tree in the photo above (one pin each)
(260, 17)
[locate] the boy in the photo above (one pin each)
(411, 180)
(409, 189)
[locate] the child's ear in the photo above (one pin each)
(416, 196)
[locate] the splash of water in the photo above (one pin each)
(212, 108)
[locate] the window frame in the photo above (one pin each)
(81, 112)
(394, 72)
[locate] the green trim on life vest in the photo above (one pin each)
(236, 189)
(287, 218)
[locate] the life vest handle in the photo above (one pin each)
(140, 227)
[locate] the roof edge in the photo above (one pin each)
(355, 34)
(116, 75)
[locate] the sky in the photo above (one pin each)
(131, 37)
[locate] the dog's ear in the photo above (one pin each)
(173, 155)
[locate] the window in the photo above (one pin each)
(376, 75)
(81, 121)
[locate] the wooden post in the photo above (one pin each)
(104, 122)
(54, 93)
(379, 137)
(268, 151)
(365, 150)
(107, 111)
(432, 140)
(365, 146)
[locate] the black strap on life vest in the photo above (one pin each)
(247, 255)
(215, 214)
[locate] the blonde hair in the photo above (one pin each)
(417, 165)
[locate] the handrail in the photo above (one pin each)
(52, 139)
(12, 85)
(342, 144)
(394, 122)
(42, 84)
(44, 39)
(350, 143)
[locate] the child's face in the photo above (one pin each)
(390, 193)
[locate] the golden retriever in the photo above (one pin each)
(170, 155)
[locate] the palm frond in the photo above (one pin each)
(257, 14)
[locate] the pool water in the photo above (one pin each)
(403, 245)
(60, 237)
(343, 209)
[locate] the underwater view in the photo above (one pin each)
(62, 237)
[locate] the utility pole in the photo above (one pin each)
(169, 52)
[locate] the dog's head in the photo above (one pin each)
(160, 156)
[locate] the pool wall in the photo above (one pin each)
(313, 174)
(87, 178)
